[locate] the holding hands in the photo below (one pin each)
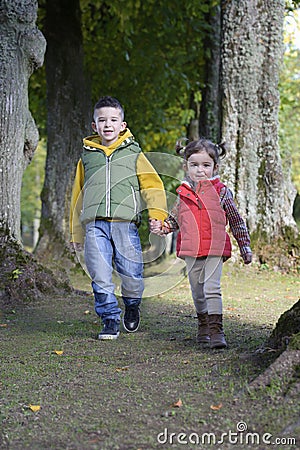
(159, 228)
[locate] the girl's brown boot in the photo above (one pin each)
(217, 338)
(203, 329)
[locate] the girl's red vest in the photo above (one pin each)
(202, 221)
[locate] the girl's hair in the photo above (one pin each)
(215, 151)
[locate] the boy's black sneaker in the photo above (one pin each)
(110, 331)
(131, 319)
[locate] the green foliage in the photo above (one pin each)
(15, 274)
(37, 99)
(295, 345)
(37, 85)
(150, 55)
(32, 183)
(291, 5)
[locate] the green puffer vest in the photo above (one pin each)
(111, 185)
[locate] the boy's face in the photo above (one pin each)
(108, 124)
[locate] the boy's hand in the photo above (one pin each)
(247, 257)
(155, 226)
(159, 228)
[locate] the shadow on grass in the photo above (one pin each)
(117, 395)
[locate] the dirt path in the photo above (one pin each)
(61, 388)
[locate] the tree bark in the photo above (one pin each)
(252, 49)
(22, 48)
(210, 117)
(69, 110)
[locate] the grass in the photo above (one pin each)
(124, 394)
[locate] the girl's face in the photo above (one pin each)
(200, 166)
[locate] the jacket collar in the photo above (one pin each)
(94, 142)
(195, 186)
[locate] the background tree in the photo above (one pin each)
(22, 48)
(251, 55)
(289, 112)
(22, 51)
(68, 116)
(210, 113)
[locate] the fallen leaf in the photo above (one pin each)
(216, 407)
(58, 352)
(34, 408)
(177, 404)
(121, 369)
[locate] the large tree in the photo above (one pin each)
(252, 49)
(22, 48)
(68, 120)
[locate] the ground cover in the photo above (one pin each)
(61, 388)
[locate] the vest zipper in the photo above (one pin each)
(134, 200)
(199, 203)
(107, 197)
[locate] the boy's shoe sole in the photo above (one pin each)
(110, 331)
(108, 337)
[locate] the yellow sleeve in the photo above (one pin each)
(152, 189)
(76, 230)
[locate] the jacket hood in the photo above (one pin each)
(94, 141)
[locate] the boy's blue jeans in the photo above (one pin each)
(119, 243)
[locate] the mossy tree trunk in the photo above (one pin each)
(252, 49)
(69, 110)
(22, 48)
(210, 113)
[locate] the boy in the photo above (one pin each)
(111, 175)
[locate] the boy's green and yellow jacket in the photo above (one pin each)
(110, 182)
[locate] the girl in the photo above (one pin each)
(203, 208)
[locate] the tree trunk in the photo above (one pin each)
(69, 110)
(210, 117)
(252, 49)
(22, 48)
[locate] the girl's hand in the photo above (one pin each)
(155, 226)
(247, 257)
(159, 228)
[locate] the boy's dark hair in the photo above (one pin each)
(215, 151)
(111, 102)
